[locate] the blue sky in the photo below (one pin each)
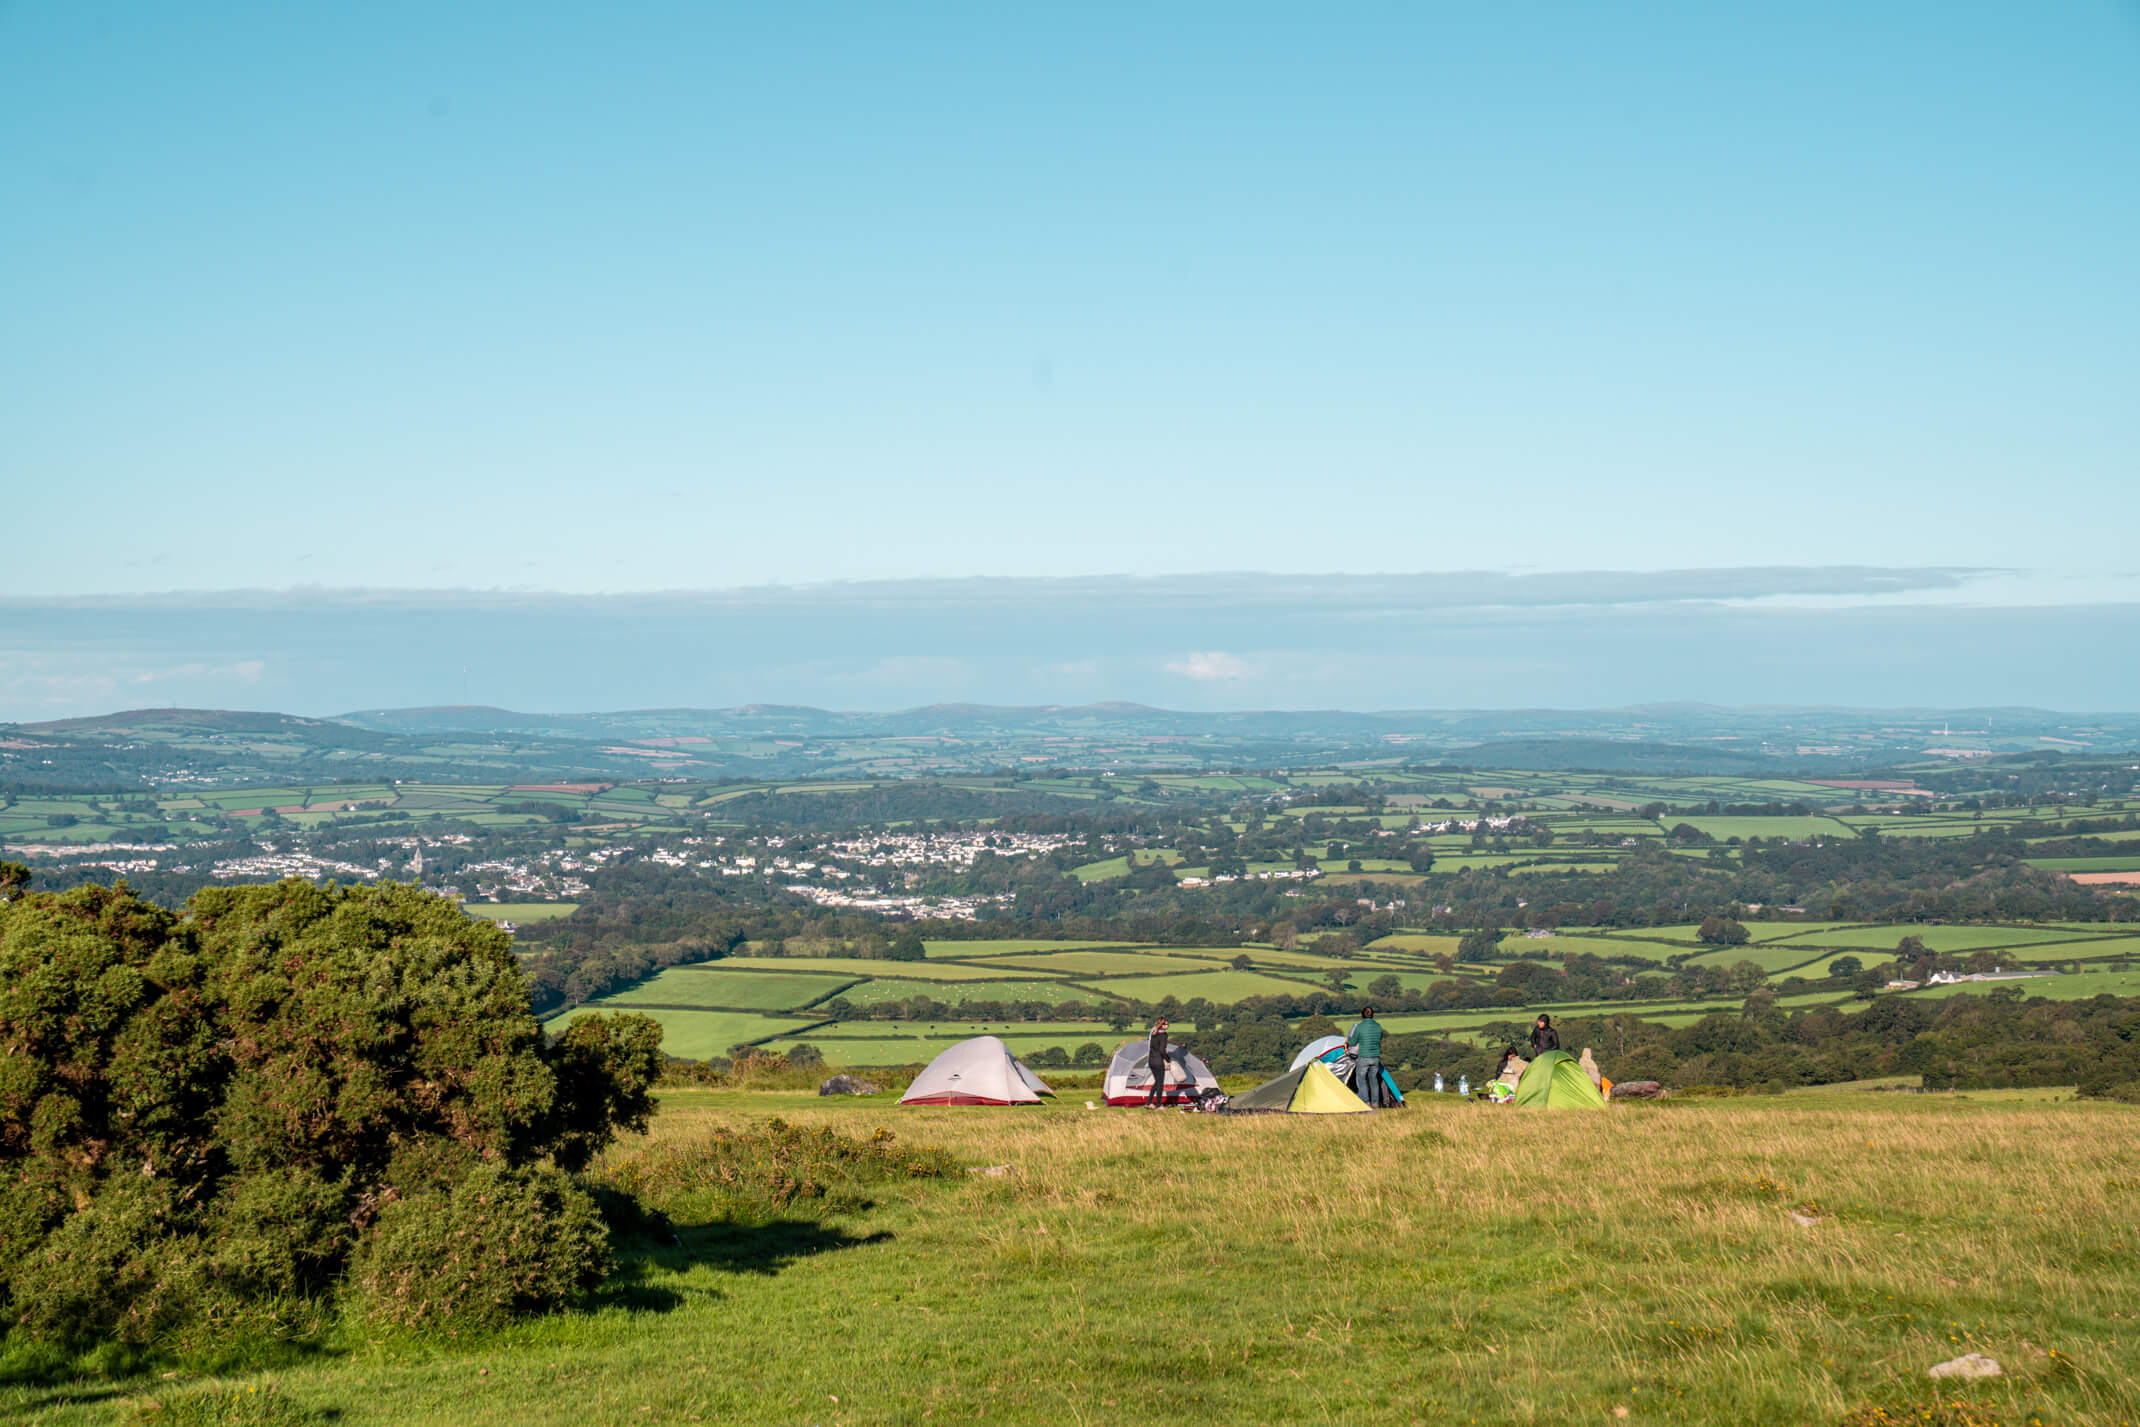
(680, 297)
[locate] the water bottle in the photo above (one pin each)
(1463, 1084)
(1437, 1082)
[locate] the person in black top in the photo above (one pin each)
(1544, 1037)
(1158, 1064)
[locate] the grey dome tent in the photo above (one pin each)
(1129, 1076)
(981, 1071)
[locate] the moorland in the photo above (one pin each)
(1806, 1258)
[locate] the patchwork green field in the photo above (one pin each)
(1009, 946)
(1942, 939)
(699, 1035)
(736, 990)
(2077, 987)
(932, 970)
(1214, 986)
(2086, 864)
(1775, 958)
(876, 993)
(1106, 963)
(520, 911)
(1051, 974)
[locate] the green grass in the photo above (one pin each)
(1635, 944)
(1774, 959)
(1447, 1264)
(1083, 964)
(698, 1035)
(1755, 931)
(894, 1050)
(520, 911)
(857, 966)
(712, 985)
(1767, 829)
(1217, 986)
(1947, 938)
(1009, 946)
(2085, 864)
(1418, 944)
(875, 993)
(2079, 987)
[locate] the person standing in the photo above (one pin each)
(1365, 1041)
(1158, 1064)
(1543, 1037)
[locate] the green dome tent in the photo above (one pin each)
(1558, 1081)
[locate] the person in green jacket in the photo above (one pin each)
(1365, 1041)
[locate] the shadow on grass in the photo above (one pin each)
(768, 1248)
(765, 1249)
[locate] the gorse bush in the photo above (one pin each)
(219, 1109)
(499, 1243)
(760, 1171)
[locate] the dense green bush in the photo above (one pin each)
(216, 1109)
(494, 1245)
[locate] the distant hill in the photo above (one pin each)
(474, 743)
(1597, 755)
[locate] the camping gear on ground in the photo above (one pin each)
(1500, 1091)
(1556, 1081)
(1309, 1089)
(1129, 1076)
(849, 1085)
(981, 1071)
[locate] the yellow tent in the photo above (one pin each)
(1310, 1089)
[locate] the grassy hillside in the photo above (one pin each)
(1803, 1259)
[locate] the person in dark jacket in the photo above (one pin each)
(1544, 1037)
(1158, 1064)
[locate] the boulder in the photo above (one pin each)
(848, 1085)
(1637, 1090)
(1968, 1365)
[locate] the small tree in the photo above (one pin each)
(1721, 931)
(1481, 945)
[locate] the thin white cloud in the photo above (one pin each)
(245, 670)
(1210, 666)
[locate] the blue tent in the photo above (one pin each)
(1344, 1064)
